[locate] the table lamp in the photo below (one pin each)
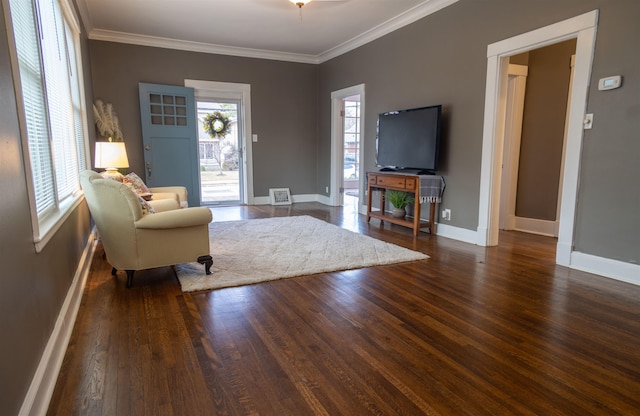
(111, 156)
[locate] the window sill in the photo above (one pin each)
(46, 229)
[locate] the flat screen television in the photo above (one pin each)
(409, 139)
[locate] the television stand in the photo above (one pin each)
(399, 182)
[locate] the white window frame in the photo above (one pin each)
(47, 223)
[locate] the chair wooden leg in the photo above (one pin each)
(130, 277)
(207, 261)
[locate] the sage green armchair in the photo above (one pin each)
(134, 239)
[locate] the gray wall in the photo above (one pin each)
(608, 214)
(441, 59)
(545, 108)
(33, 285)
(283, 98)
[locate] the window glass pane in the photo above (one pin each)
(351, 139)
(78, 112)
(33, 98)
(57, 81)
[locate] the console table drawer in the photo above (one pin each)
(391, 181)
(410, 184)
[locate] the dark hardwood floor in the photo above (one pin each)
(471, 331)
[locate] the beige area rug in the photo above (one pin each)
(252, 251)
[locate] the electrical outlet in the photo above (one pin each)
(446, 214)
(326, 189)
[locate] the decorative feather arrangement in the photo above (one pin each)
(107, 121)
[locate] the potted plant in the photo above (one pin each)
(399, 200)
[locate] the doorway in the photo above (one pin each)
(347, 122)
(351, 153)
(582, 28)
(220, 124)
(225, 162)
(534, 138)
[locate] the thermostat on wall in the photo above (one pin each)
(610, 83)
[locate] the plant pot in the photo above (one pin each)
(398, 213)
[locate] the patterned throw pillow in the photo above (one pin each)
(137, 183)
(146, 207)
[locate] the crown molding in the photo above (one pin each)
(85, 16)
(185, 45)
(395, 23)
(410, 16)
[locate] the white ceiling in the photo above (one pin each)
(270, 29)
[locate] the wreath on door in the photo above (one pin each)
(217, 125)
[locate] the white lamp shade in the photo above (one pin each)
(111, 155)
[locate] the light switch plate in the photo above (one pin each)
(588, 121)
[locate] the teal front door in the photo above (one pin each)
(170, 137)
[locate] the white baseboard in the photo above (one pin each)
(443, 230)
(457, 233)
(626, 272)
(38, 396)
(306, 198)
(323, 199)
(614, 269)
(535, 226)
(264, 200)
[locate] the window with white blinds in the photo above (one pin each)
(47, 51)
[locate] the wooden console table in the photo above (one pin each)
(398, 182)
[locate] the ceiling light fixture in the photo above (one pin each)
(300, 3)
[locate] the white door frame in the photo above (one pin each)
(564, 145)
(242, 91)
(337, 145)
(582, 28)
